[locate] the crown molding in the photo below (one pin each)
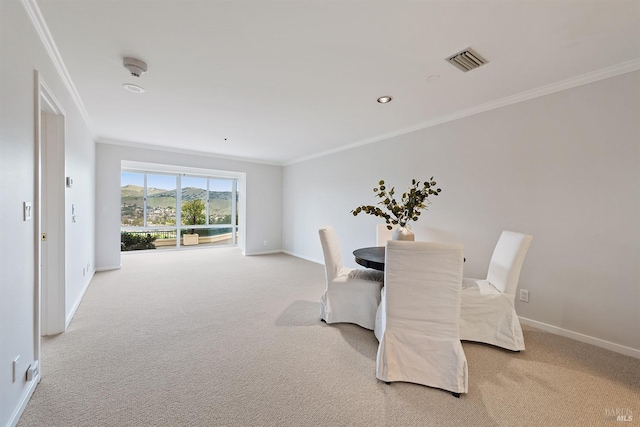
(33, 11)
(129, 144)
(583, 79)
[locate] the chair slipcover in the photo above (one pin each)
(351, 295)
(383, 234)
(419, 315)
(488, 311)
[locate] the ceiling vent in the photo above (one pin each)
(466, 60)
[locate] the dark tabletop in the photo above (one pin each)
(372, 257)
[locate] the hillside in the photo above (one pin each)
(131, 191)
(188, 193)
(137, 191)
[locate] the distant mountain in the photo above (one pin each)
(132, 191)
(153, 191)
(165, 193)
(192, 193)
(188, 193)
(223, 195)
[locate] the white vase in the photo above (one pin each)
(403, 233)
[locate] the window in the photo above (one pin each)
(154, 213)
(220, 201)
(161, 200)
(194, 201)
(132, 200)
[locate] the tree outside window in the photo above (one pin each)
(193, 213)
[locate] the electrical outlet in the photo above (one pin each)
(524, 295)
(265, 243)
(32, 371)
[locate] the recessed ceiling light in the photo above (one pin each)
(133, 88)
(384, 99)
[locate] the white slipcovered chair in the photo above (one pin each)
(351, 295)
(488, 313)
(419, 314)
(383, 234)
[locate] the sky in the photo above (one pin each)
(168, 182)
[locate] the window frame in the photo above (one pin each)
(178, 226)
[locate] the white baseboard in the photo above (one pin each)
(115, 267)
(303, 257)
(73, 310)
(277, 251)
(627, 351)
(13, 421)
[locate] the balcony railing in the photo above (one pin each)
(155, 238)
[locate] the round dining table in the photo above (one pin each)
(371, 257)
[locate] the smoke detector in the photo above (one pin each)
(135, 66)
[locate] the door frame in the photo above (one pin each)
(50, 268)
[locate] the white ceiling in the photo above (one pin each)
(285, 80)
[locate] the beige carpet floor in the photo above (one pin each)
(211, 338)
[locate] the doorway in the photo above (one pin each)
(50, 215)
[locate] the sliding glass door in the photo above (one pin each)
(154, 214)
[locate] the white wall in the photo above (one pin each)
(263, 197)
(80, 165)
(564, 167)
(21, 52)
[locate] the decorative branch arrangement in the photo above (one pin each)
(411, 203)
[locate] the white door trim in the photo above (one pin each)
(50, 192)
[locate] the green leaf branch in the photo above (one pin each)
(408, 209)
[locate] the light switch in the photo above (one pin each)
(27, 211)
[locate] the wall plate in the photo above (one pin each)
(26, 207)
